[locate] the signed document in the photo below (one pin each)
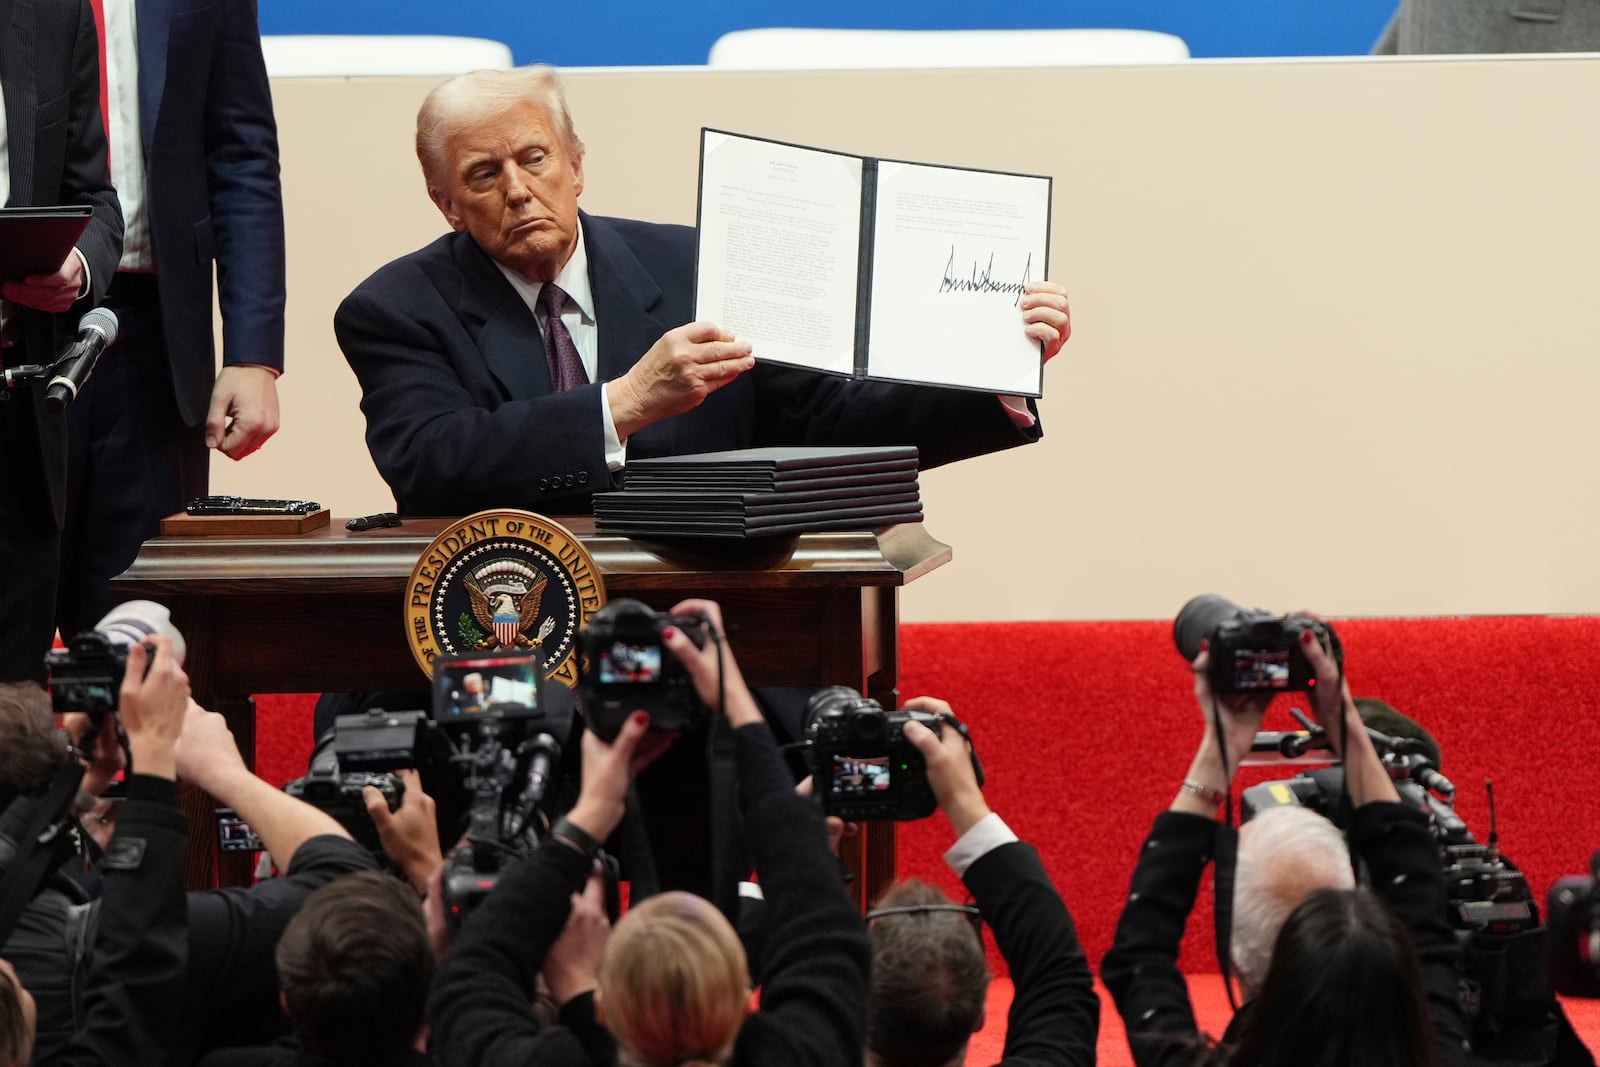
(871, 268)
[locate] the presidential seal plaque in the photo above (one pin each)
(503, 581)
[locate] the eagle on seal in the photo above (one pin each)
(505, 604)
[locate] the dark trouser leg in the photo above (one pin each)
(29, 540)
(130, 462)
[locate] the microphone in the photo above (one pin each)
(96, 332)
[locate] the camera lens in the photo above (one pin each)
(131, 623)
(1197, 620)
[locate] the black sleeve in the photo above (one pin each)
(1141, 970)
(1403, 863)
(233, 977)
(133, 999)
(482, 995)
(1055, 1013)
(813, 999)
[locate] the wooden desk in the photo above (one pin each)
(324, 611)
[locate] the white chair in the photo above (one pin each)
(810, 49)
(333, 55)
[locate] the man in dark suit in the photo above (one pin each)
(53, 151)
(194, 153)
(464, 413)
(929, 978)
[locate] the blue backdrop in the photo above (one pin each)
(628, 32)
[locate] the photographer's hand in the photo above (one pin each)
(106, 759)
(608, 771)
(572, 965)
(1365, 776)
(837, 828)
(410, 833)
(151, 708)
(949, 759)
(701, 663)
(1240, 717)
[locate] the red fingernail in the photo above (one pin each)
(669, 632)
(1205, 643)
(640, 718)
(1306, 637)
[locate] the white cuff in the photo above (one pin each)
(616, 449)
(88, 281)
(986, 835)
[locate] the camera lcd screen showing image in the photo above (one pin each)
(625, 663)
(855, 776)
(1255, 668)
(504, 686)
(234, 834)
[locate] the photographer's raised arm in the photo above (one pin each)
(208, 757)
(1216, 760)
(715, 674)
(1055, 1014)
(1364, 773)
(133, 999)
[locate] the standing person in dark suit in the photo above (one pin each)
(462, 411)
(929, 980)
(194, 152)
(52, 151)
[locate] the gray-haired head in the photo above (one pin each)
(470, 98)
(1284, 855)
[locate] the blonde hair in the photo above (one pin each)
(674, 983)
(480, 94)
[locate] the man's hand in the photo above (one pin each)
(684, 367)
(573, 962)
(208, 756)
(1046, 316)
(410, 833)
(152, 707)
(244, 410)
(53, 292)
(703, 665)
(950, 773)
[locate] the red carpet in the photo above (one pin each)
(1085, 730)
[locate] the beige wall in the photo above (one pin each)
(1335, 322)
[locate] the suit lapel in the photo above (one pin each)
(507, 334)
(625, 298)
(21, 93)
(154, 18)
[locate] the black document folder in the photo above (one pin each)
(762, 492)
(36, 240)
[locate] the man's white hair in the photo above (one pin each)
(1284, 854)
(470, 98)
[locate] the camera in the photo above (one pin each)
(1574, 923)
(338, 792)
(623, 667)
(86, 675)
(864, 767)
(1252, 650)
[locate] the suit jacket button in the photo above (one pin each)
(583, 477)
(567, 481)
(544, 485)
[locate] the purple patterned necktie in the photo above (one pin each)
(566, 367)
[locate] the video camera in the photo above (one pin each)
(864, 767)
(624, 667)
(1252, 651)
(505, 726)
(1505, 992)
(1574, 924)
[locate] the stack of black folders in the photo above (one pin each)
(763, 492)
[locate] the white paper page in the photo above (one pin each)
(779, 243)
(953, 250)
